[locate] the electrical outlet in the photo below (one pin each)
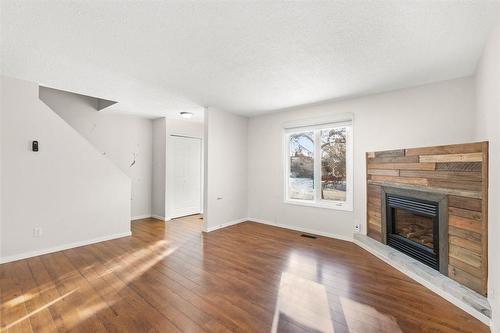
(37, 232)
(357, 228)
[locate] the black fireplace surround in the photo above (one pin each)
(416, 223)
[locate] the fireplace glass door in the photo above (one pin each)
(412, 227)
(415, 227)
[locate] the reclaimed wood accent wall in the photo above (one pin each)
(459, 171)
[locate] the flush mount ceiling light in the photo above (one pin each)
(186, 115)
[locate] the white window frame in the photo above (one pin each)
(346, 205)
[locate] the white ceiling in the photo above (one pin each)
(160, 58)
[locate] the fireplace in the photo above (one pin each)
(416, 224)
(413, 228)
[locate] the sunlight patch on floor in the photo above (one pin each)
(126, 267)
(353, 311)
(38, 310)
(304, 265)
(304, 302)
(136, 264)
(18, 300)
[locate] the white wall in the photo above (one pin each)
(1, 181)
(121, 138)
(72, 192)
(159, 168)
(225, 169)
(488, 128)
(440, 113)
(162, 130)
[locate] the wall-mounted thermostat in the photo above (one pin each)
(34, 145)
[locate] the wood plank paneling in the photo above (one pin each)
(444, 175)
(373, 212)
(458, 185)
(403, 166)
(374, 203)
(390, 153)
(463, 233)
(475, 147)
(374, 215)
(464, 278)
(456, 192)
(383, 172)
(465, 203)
(374, 191)
(472, 245)
(402, 180)
(375, 234)
(471, 157)
(394, 159)
(474, 271)
(464, 223)
(460, 166)
(465, 255)
(469, 214)
(458, 171)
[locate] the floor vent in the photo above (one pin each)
(308, 236)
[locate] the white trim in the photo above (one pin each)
(312, 128)
(346, 205)
(309, 231)
(168, 218)
(163, 218)
(224, 225)
(335, 205)
(492, 327)
(140, 217)
(441, 292)
(330, 118)
(63, 247)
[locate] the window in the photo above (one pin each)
(319, 166)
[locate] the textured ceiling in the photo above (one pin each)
(159, 58)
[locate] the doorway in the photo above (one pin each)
(184, 176)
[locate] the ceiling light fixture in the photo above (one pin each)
(186, 115)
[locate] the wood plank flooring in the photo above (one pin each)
(170, 277)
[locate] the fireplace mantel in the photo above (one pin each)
(455, 175)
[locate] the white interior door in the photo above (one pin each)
(184, 176)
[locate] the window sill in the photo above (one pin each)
(333, 206)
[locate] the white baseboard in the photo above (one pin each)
(30, 254)
(227, 224)
(162, 218)
(307, 230)
(140, 217)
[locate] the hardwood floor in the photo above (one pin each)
(245, 278)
